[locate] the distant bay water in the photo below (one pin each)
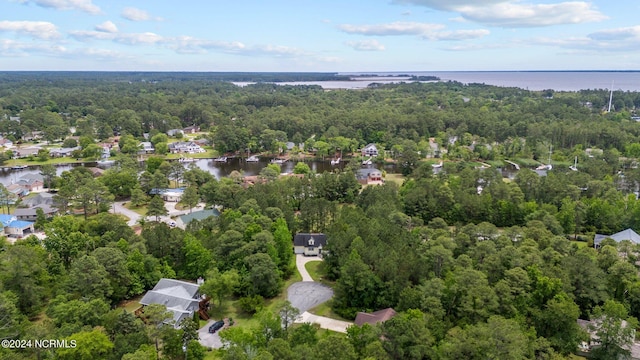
(537, 80)
(529, 80)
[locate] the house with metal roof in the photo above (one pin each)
(14, 227)
(180, 297)
(623, 235)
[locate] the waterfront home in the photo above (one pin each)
(31, 184)
(63, 152)
(370, 150)
(21, 153)
(368, 176)
(187, 147)
(6, 143)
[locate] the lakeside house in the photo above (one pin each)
(309, 244)
(368, 176)
(175, 132)
(370, 150)
(191, 129)
(169, 195)
(63, 152)
(21, 153)
(185, 147)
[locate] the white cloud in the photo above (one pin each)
(458, 35)
(139, 38)
(366, 45)
(82, 35)
(81, 5)
(17, 48)
(38, 29)
(516, 13)
(395, 28)
(618, 34)
(107, 27)
(134, 14)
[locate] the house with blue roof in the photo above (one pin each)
(14, 227)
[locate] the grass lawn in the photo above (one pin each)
(131, 305)
(318, 272)
(396, 178)
(142, 210)
(580, 244)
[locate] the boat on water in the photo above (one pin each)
(104, 163)
(19, 167)
(220, 159)
(574, 167)
(336, 161)
(438, 165)
(278, 161)
(186, 160)
(253, 158)
(547, 166)
(367, 162)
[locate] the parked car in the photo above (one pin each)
(216, 326)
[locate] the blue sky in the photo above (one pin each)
(319, 35)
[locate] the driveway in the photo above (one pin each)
(209, 340)
(118, 208)
(301, 260)
(307, 294)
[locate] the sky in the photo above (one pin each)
(319, 35)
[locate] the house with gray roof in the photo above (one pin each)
(180, 297)
(31, 213)
(309, 244)
(623, 235)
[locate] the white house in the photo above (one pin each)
(146, 147)
(370, 150)
(186, 147)
(309, 244)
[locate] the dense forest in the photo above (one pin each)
(477, 266)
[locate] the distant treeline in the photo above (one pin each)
(21, 76)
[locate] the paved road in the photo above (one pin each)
(307, 294)
(118, 208)
(301, 260)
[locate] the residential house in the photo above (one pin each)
(146, 147)
(30, 213)
(375, 317)
(6, 143)
(627, 234)
(309, 244)
(32, 136)
(174, 132)
(21, 153)
(170, 195)
(370, 150)
(31, 184)
(14, 227)
(368, 176)
(434, 148)
(180, 297)
(63, 152)
(585, 348)
(191, 129)
(42, 198)
(185, 147)
(17, 191)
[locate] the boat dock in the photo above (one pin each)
(514, 164)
